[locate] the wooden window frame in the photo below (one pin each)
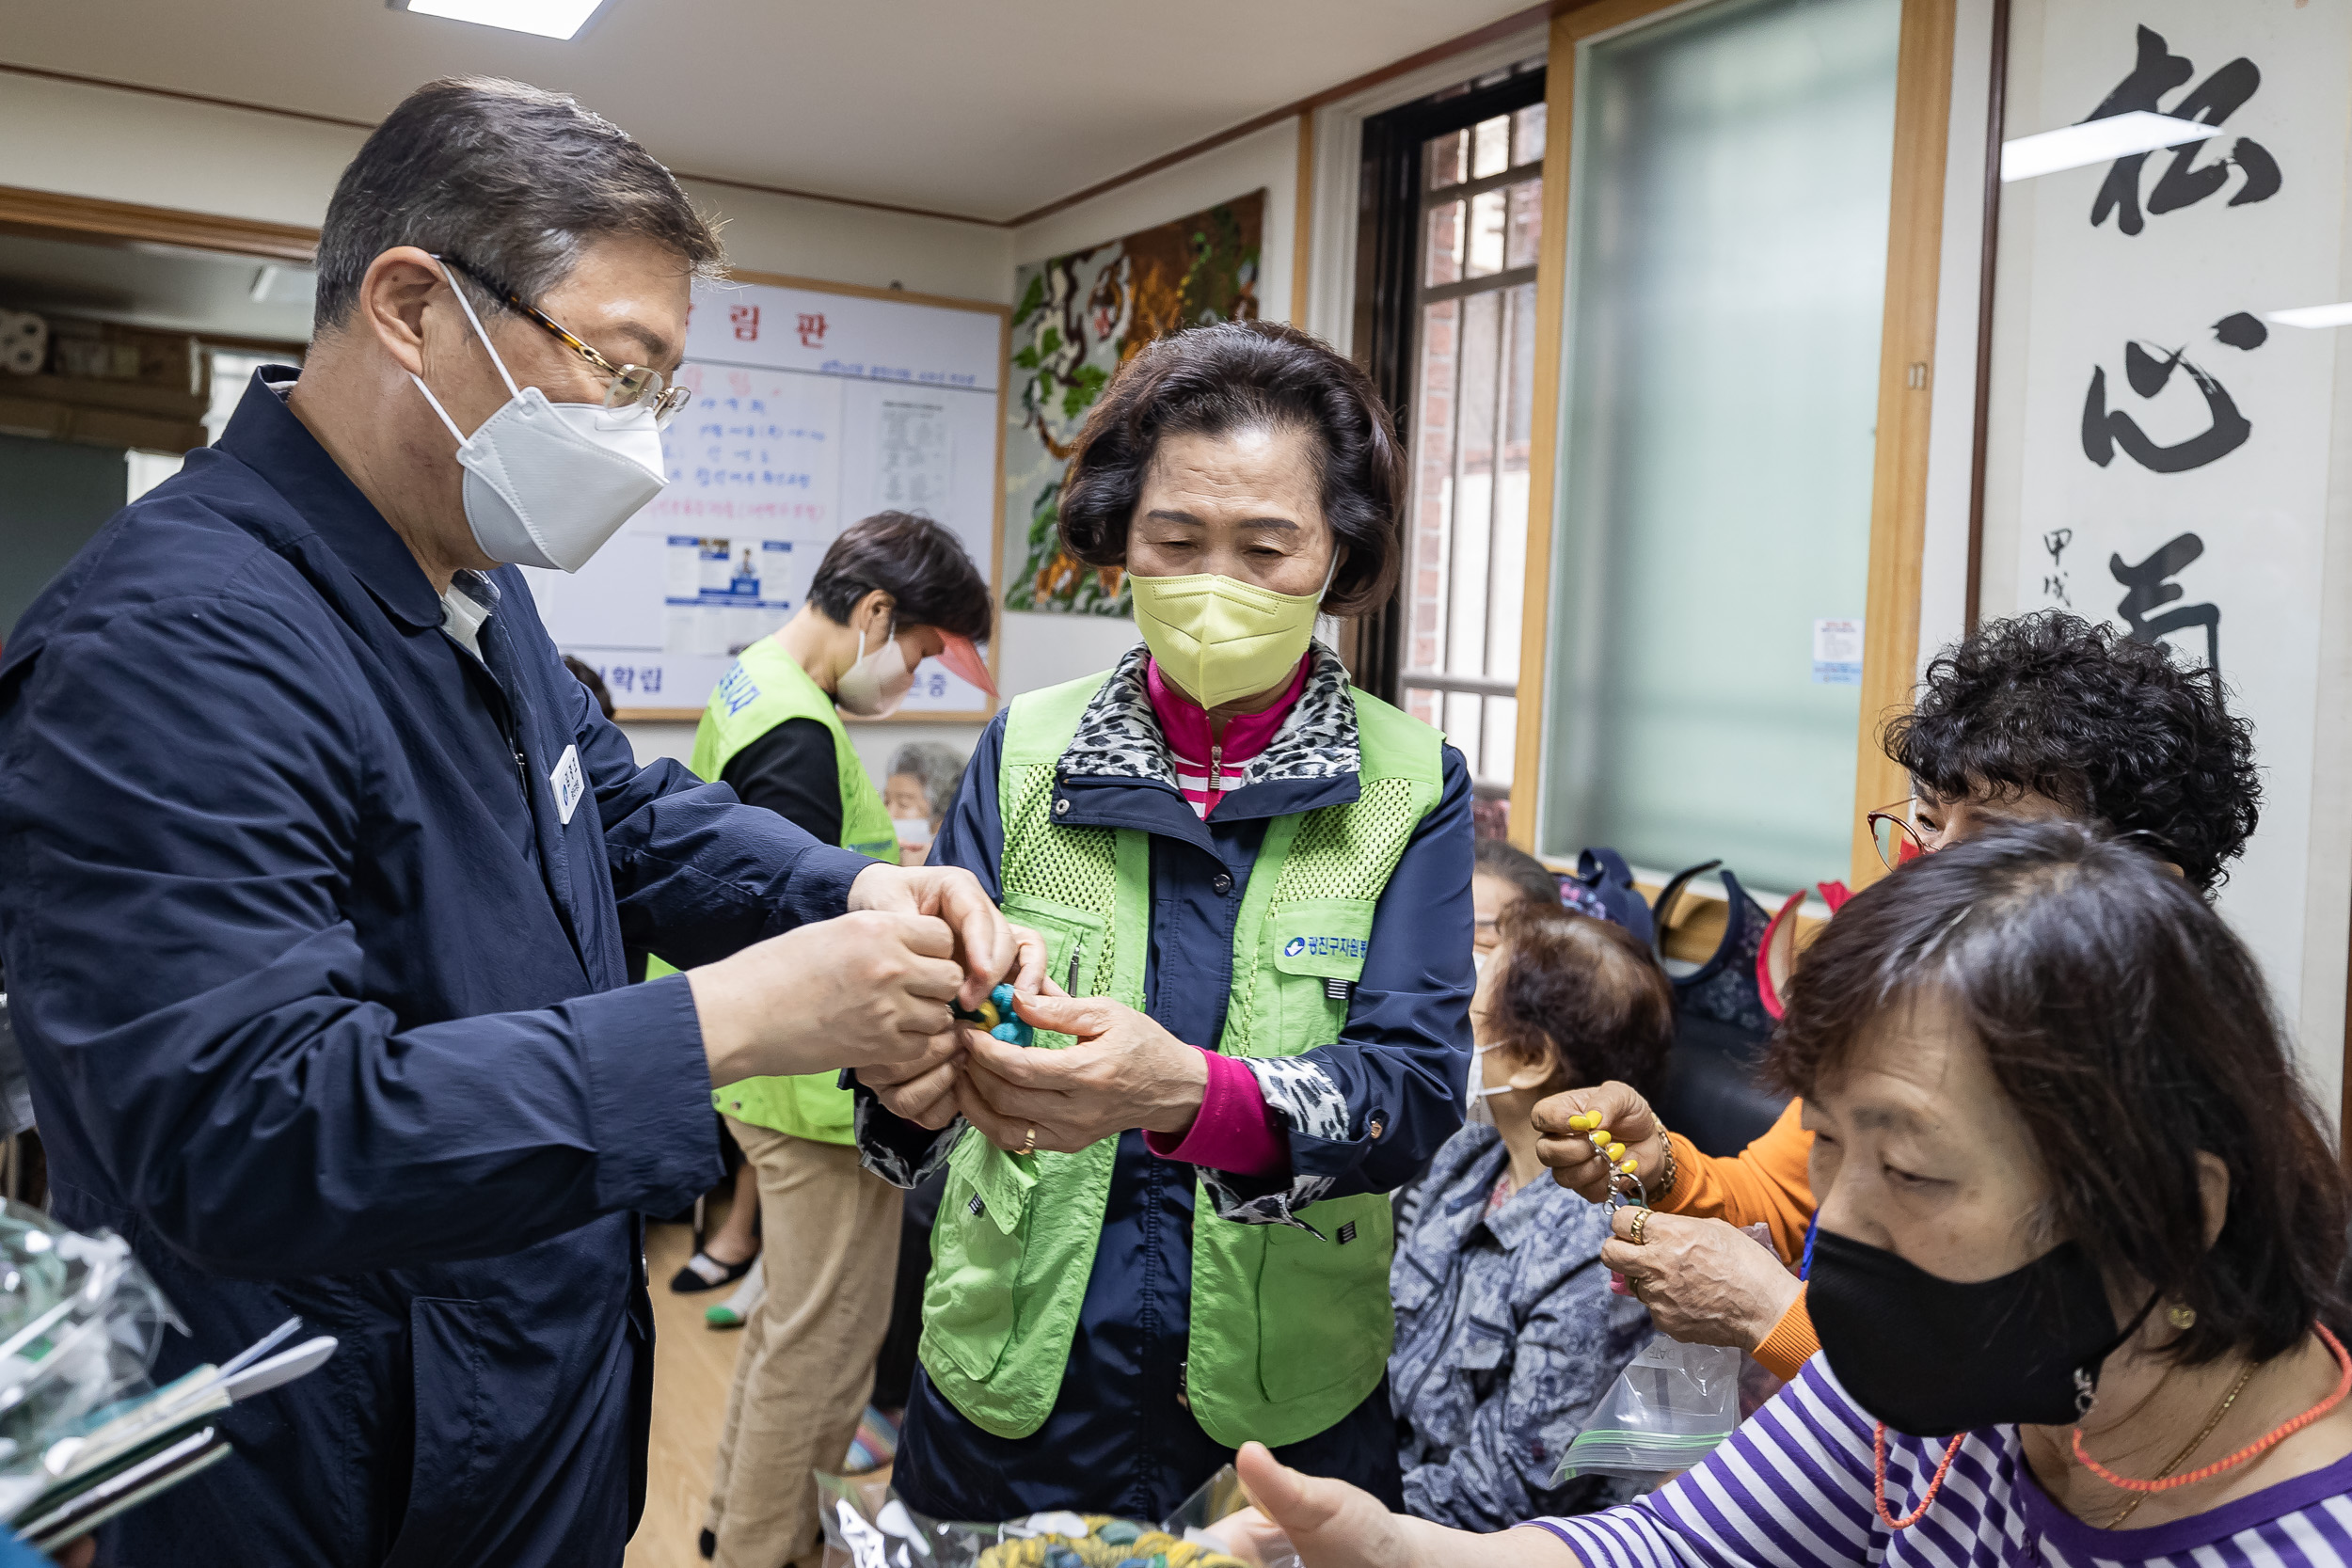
(1915, 224)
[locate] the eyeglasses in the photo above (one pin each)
(634, 385)
(1898, 842)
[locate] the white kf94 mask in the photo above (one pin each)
(546, 484)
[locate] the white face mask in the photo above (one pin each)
(875, 685)
(914, 832)
(546, 484)
(1481, 1113)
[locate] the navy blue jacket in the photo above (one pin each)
(325, 1009)
(1118, 1440)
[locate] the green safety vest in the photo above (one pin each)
(1290, 1328)
(768, 687)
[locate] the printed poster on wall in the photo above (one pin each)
(811, 410)
(2174, 471)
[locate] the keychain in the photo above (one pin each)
(1623, 1168)
(995, 1015)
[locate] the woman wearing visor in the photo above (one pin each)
(1172, 1234)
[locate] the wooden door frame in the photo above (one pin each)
(1906, 375)
(94, 220)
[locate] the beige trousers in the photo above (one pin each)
(829, 1238)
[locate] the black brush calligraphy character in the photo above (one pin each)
(2157, 70)
(2105, 429)
(2145, 589)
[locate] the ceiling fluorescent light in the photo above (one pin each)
(549, 18)
(2094, 141)
(2313, 315)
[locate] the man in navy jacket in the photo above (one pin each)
(317, 869)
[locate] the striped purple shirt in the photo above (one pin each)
(1791, 1488)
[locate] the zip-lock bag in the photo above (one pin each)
(1669, 1409)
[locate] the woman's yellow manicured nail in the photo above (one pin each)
(1583, 1121)
(1600, 1139)
(1616, 1151)
(1630, 1166)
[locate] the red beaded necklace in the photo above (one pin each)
(2258, 1447)
(2253, 1449)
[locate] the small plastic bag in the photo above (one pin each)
(1668, 1410)
(867, 1527)
(1208, 1519)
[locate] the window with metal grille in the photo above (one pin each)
(1466, 527)
(1447, 324)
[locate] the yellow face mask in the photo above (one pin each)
(1219, 638)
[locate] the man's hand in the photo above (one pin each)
(1611, 1107)
(864, 989)
(1703, 1282)
(922, 1091)
(991, 948)
(1126, 1070)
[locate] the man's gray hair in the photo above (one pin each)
(508, 177)
(939, 765)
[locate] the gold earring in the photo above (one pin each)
(2181, 1315)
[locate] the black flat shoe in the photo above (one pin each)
(705, 1273)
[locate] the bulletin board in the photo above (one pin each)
(815, 405)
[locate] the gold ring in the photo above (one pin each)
(1640, 1223)
(1634, 1284)
(1029, 1147)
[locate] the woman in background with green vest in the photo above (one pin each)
(893, 590)
(1172, 1235)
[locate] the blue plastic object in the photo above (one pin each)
(996, 1015)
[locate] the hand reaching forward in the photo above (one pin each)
(865, 988)
(989, 947)
(1332, 1525)
(1565, 1124)
(1123, 1070)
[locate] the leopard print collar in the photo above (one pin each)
(1119, 735)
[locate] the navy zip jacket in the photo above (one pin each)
(1362, 1115)
(321, 988)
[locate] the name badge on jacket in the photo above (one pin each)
(568, 784)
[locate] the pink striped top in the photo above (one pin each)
(1233, 1132)
(1209, 770)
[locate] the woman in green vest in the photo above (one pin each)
(893, 590)
(1172, 1234)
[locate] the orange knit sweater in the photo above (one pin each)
(1768, 1181)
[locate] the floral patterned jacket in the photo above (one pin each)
(1507, 1335)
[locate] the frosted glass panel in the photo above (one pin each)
(1728, 252)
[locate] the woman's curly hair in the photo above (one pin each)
(1224, 377)
(2110, 729)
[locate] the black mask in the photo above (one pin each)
(1932, 1357)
